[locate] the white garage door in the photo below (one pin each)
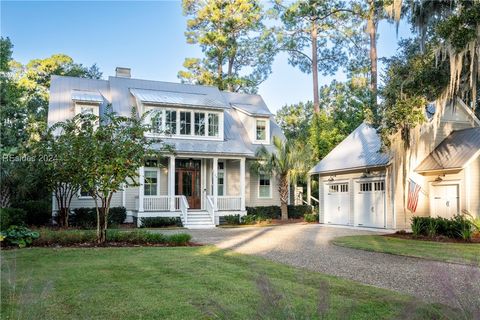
(370, 204)
(337, 203)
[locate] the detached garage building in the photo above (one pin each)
(361, 186)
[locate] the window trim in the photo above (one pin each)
(157, 170)
(267, 131)
(258, 186)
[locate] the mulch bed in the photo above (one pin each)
(410, 236)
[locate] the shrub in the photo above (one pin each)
(267, 212)
(232, 219)
(86, 218)
(418, 226)
(459, 227)
(38, 212)
(311, 217)
(12, 217)
(116, 216)
(19, 236)
(158, 222)
(295, 212)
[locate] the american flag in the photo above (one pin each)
(413, 192)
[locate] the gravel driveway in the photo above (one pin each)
(308, 246)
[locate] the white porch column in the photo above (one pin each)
(215, 181)
(309, 189)
(141, 193)
(242, 184)
(171, 182)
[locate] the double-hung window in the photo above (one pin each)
(170, 122)
(156, 120)
(185, 122)
(213, 125)
(264, 186)
(199, 123)
(261, 130)
(150, 185)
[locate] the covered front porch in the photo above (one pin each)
(198, 189)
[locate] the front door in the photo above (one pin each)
(187, 181)
(445, 201)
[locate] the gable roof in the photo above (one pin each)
(454, 152)
(361, 149)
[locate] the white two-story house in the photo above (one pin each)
(214, 135)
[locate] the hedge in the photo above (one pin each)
(38, 212)
(274, 212)
(12, 217)
(158, 222)
(86, 218)
(74, 237)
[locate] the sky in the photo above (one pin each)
(146, 36)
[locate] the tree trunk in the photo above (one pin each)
(283, 191)
(102, 225)
(220, 72)
(316, 101)
(63, 217)
(372, 32)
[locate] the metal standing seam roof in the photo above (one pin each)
(252, 104)
(87, 96)
(454, 152)
(361, 149)
(177, 98)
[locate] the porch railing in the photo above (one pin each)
(157, 203)
(229, 203)
(160, 203)
(210, 206)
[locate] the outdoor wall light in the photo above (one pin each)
(331, 179)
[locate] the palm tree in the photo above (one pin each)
(288, 162)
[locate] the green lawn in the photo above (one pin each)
(184, 283)
(465, 253)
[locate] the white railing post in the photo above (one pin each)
(171, 182)
(141, 194)
(309, 189)
(215, 182)
(242, 184)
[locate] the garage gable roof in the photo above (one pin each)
(361, 149)
(454, 152)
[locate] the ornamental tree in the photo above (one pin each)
(118, 147)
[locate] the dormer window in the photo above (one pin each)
(183, 123)
(262, 131)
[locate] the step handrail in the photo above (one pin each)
(184, 208)
(211, 208)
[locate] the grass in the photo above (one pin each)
(185, 283)
(463, 253)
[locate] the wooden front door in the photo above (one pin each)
(187, 181)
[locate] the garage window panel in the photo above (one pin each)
(344, 187)
(379, 186)
(333, 188)
(365, 187)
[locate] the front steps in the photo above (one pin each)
(198, 220)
